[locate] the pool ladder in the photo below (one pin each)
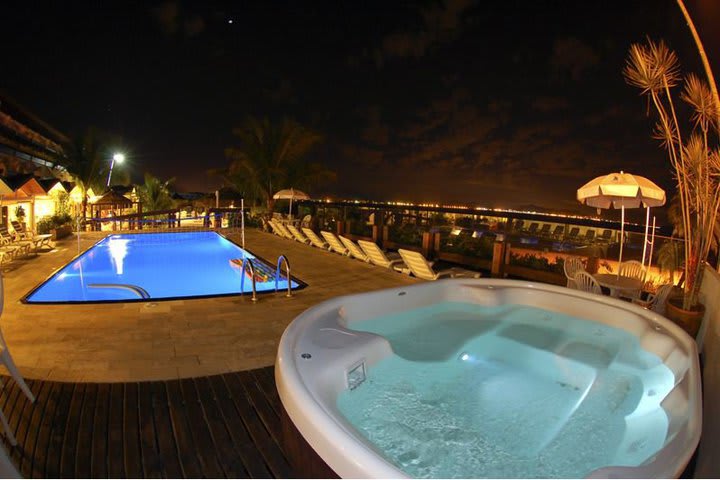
(280, 260)
(247, 261)
(139, 291)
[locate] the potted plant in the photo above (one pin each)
(695, 159)
(20, 213)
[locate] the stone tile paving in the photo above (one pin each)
(169, 339)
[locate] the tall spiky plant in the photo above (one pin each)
(654, 69)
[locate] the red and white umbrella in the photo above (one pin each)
(620, 190)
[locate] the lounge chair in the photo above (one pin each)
(533, 227)
(17, 247)
(573, 233)
(42, 240)
(7, 360)
(274, 228)
(571, 266)
(518, 225)
(306, 221)
(355, 251)
(381, 259)
(587, 283)
(284, 232)
(558, 232)
(589, 235)
(298, 234)
(315, 240)
(606, 236)
(545, 230)
(335, 244)
(421, 268)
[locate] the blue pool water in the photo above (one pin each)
(166, 265)
(508, 392)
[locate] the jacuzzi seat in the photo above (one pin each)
(319, 354)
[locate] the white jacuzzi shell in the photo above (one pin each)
(308, 386)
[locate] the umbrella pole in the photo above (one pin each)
(652, 246)
(290, 210)
(242, 222)
(622, 237)
(645, 241)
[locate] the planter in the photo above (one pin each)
(688, 320)
(61, 232)
(532, 274)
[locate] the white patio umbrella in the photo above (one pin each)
(622, 190)
(291, 194)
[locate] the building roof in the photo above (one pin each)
(113, 198)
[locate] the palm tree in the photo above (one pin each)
(154, 194)
(83, 160)
(272, 156)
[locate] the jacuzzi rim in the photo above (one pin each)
(327, 436)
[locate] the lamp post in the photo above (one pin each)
(119, 158)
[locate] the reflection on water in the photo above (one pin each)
(118, 251)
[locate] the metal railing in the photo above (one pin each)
(139, 291)
(247, 261)
(282, 258)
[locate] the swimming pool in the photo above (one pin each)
(491, 378)
(119, 268)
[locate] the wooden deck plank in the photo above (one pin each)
(85, 432)
(98, 458)
(69, 448)
(229, 460)
(270, 451)
(44, 430)
(33, 428)
(148, 447)
(270, 419)
(265, 378)
(167, 448)
(131, 433)
(59, 427)
(22, 422)
(187, 451)
(116, 465)
(242, 443)
(11, 404)
(210, 465)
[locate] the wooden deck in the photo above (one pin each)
(219, 426)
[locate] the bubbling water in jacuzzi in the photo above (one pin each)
(508, 391)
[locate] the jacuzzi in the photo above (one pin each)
(521, 367)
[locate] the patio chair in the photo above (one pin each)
(7, 360)
(421, 268)
(335, 244)
(586, 283)
(571, 266)
(573, 233)
(545, 230)
(533, 227)
(22, 233)
(298, 234)
(656, 301)
(315, 240)
(558, 232)
(636, 270)
(355, 251)
(381, 259)
(589, 235)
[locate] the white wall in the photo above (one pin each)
(708, 461)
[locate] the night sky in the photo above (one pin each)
(498, 104)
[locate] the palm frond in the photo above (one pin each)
(698, 95)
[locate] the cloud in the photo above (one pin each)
(572, 58)
(439, 23)
(169, 17)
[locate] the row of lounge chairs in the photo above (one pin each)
(559, 232)
(21, 243)
(405, 261)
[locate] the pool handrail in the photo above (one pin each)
(139, 291)
(247, 261)
(287, 274)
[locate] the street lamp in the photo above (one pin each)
(119, 158)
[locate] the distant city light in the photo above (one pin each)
(230, 20)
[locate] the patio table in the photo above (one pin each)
(617, 285)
